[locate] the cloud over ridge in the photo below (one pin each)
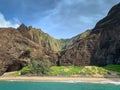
(7, 23)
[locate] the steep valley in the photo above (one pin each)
(99, 46)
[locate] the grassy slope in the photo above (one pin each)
(115, 68)
(110, 70)
(95, 71)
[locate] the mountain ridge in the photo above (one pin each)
(19, 46)
(45, 40)
(101, 47)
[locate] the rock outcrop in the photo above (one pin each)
(101, 47)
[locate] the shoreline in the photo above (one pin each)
(61, 79)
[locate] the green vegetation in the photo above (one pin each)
(42, 68)
(37, 67)
(115, 68)
(102, 71)
(64, 70)
(93, 71)
(77, 71)
(25, 70)
(28, 49)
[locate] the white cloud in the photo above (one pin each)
(8, 23)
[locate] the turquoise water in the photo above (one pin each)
(8, 85)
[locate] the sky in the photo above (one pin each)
(59, 18)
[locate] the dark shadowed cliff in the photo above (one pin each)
(101, 47)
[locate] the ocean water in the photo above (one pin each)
(15, 85)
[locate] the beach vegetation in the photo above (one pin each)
(64, 70)
(42, 67)
(77, 71)
(25, 70)
(115, 68)
(37, 67)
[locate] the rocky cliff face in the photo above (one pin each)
(16, 51)
(101, 47)
(19, 46)
(39, 37)
(68, 43)
(45, 40)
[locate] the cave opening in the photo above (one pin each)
(14, 67)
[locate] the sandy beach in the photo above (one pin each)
(60, 79)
